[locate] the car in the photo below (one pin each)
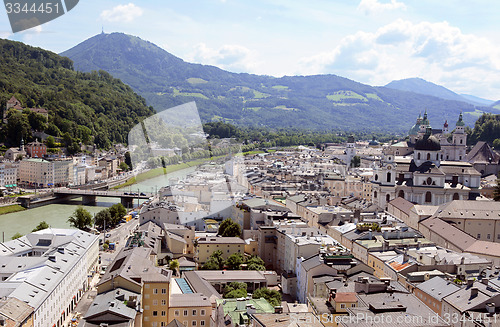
(108, 235)
(143, 194)
(103, 269)
(125, 193)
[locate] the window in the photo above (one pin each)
(401, 194)
(429, 181)
(342, 305)
(155, 313)
(376, 177)
(163, 313)
(428, 156)
(428, 197)
(155, 302)
(456, 196)
(155, 291)
(202, 312)
(375, 194)
(478, 235)
(163, 324)
(194, 312)
(177, 313)
(488, 236)
(163, 291)
(418, 156)
(387, 197)
(193, 323)
(163, 302)
(437, 156)
(388, 177)
(185, 313)
(353, 305)
(202, 323)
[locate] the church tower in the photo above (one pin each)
(445, 127)
(427, 148)
(350, 149)
(459, 139)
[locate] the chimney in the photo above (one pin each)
(485, 281)
(470, 282)
(490, 308)
(278, 309)
(473, 292)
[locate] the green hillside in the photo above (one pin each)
(82, 107)
(327, 102)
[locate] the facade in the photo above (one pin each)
(155, 299)
(36, 172)
(192, 310)
(49, 271)
(208, 245)
(36, 149)
(8, 175)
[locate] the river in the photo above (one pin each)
(56, 215)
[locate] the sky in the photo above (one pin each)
(448, 42)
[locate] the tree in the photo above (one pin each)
(234, 261)
(81, 219)
(42, 225)
(117, 212)
(50, 142)
(16, 236)
(128, 160)
(355, 161)
(174, 265)
(123, 166)
(271, 296)
(103, 218)
(229, 228)
(235, 290)
(256, 263)
(496, 192)
(214, 262)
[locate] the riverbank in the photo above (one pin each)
(11, 208)
(152, 173)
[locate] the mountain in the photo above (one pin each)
(478, 100)
(82, 107)
(419, 85)
(496, 105)
(323, 102)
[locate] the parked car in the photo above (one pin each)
(143, 194)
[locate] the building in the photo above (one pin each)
(36, 149)
(239, 311)
(49, 270)
(191, 309)
(205, 246)
(15, 153)
(43, 173)
(432, 292)
(8, 175)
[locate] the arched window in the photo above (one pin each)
(428, 156)
(456, 196)
(461, 141)
(375, 194)
(418, 156)
(437, 156)
(401, 194)
(376, 177)
(428, 197)
(388, 177)
(387, 198)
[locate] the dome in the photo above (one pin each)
(414, 130)
(460, 122)
(428, 143)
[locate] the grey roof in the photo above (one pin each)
(175, 323)
(189, 300)
(438, 287)
(105, 304)
(463, 301)
(216, 276)
(220, 240)
(199, 285)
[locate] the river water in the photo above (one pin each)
(56, 215)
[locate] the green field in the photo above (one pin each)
(260, 95)
(341, 95)
(187, 94)
(280, 87)
(477, 113)
(196, 80)
(253, 108)
(283, 107)
(11, 208)
(373, 96)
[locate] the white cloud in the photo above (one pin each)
(122, 13)
(231, 57)
(436, 52)
(375, 6)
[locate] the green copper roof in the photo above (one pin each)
(460, 122)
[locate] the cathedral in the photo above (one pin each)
(433, 170)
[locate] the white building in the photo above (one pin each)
(8, 175)
(49, 270)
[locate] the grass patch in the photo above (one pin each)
(283, 107)
(196, 80)
(497, 106)
(260, 95)
(373, 96)
(11, 208)
(253, 108)
(188, 94)
(280, 87)
(341, 95)
(476, 113)
(18, 195)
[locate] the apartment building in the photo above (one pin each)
(49, 271)
(208, 245)
(192, 310)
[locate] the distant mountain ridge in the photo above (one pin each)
(419, 85)
(319, 101)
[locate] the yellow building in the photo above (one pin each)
(155, 299)
(192, 310)
(208, 245)
(344, 300)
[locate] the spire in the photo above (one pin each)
(21, 146)
(460, 121)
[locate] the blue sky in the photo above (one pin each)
(452, 43)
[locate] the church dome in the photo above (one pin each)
(428, 143)
(414, 130)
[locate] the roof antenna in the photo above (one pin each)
(102, 29)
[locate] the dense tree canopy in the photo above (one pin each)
(81, 219)
(229, 228)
